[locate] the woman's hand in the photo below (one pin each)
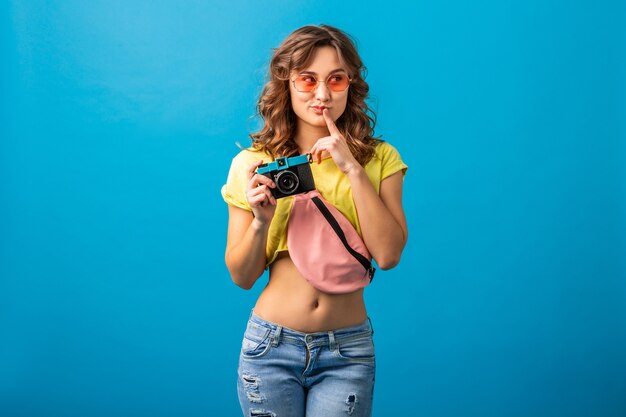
(259, 196)
(336, 145)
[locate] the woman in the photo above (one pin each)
(308, 351)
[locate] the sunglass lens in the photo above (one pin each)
(305, 83)
(338, 82)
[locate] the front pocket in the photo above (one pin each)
(254, 344)
(360, 349)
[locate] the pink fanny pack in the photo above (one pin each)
(325, 247)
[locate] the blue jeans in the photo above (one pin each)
(287, 373)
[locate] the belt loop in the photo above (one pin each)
(276, 336)
(371, 326)
(331, 341)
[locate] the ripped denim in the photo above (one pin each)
(284, 372)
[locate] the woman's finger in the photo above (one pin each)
(258, 179)
(261, 195)
(332, 127)
(258, 196)
(253, 167)
(269, 196)
(316, 154)
(317, 149)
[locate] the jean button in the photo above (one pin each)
(308, 338)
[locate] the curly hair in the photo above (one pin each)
(356, 123)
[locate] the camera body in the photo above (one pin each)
(291, 175)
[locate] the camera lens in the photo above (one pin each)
(287, 182)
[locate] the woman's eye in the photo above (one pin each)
(336, 78)
(308, 79)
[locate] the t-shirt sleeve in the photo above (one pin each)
(391, 161)
(234, 191)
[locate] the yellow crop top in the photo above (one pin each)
(332, 184)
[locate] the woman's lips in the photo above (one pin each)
(318, 110)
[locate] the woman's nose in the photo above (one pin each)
(321, 92)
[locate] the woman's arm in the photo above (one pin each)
(245, 247)
(381, 216)
(248, 230)
(382, 220)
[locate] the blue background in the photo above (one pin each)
(118, 123)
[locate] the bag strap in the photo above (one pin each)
(333, 223)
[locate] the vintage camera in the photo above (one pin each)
(291, 175)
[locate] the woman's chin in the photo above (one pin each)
(318, 121)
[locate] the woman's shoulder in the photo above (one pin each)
(249, 155)
(387, 160)
(384, 151)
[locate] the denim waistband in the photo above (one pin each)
(278, 332)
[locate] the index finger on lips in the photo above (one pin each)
(332, 127)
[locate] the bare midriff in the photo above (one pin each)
(291, 301)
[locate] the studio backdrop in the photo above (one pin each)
(118, 123)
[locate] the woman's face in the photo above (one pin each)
(325, 67)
